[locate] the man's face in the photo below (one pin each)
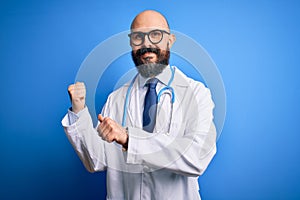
(150, 50)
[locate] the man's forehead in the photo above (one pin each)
(147, 29)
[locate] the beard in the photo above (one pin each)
(151, 69)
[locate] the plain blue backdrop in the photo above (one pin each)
(255, 45)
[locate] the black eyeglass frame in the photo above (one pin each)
(148, 35)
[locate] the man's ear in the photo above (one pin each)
(172, 39)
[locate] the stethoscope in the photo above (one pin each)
(160, 93)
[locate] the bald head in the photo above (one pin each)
(150, 18)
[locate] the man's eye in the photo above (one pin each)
(155, 34)
(138, 36)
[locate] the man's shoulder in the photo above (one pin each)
(197, 88)
(182, 79)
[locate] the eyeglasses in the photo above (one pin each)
(154, 36)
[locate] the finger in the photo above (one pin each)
(76, 89)
(104, 132)
(79, 85)
(100, 118)
(105, 127)
(71, 87)
(79, 89)
(108, 133)
(101, 132)
(110, 137)
(107, 130)
(79, 93)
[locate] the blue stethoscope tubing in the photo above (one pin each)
(160, 93)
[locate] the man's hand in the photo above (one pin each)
(77, 94)
(110, 131)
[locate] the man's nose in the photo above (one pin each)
(147, 42)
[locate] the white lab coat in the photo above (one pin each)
(160, 165)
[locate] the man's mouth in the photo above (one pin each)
(149, 57)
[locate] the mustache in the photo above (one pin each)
(142, 51)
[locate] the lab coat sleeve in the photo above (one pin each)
(188, 154)
(85, 140)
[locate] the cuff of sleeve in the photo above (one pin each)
(70, 119)
(70, 129)
(73, 117)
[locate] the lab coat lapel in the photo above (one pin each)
(134, 108)
(168, 116)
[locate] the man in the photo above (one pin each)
(168, 138)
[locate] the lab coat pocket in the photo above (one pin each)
(166, 121)
(162, 119)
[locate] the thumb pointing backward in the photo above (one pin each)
(100, 118)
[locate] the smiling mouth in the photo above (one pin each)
(148, 57)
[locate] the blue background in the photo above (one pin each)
(255, 45)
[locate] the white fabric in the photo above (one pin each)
(161, 165)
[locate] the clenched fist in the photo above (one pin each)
(77, 94)
(109, 130)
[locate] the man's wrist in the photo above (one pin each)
(76, 110)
